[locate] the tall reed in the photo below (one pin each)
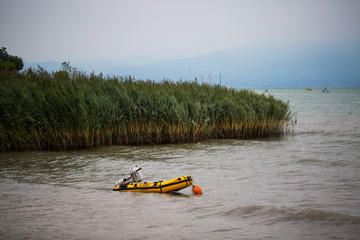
(53, 111)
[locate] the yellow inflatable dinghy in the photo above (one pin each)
(175, 184)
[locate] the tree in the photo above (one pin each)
(19, 64)
(4, 56)
(7, 66)
(67, 68)
(9, 62)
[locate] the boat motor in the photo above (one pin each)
(120, 181)
(136, 174)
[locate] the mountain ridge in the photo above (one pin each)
(267, 65)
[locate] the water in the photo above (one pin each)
(303, 186)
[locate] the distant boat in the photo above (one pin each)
(308, 89)
(325, 90)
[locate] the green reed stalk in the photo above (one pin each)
(53, 111)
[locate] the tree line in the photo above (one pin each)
(9, 62)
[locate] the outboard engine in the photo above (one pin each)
(136, 174)
(120, 182)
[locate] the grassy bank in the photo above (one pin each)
(45, 111)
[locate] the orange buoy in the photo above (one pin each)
(197, 190)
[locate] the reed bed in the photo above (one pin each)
(62, 110)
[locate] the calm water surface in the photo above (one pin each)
(302, 186)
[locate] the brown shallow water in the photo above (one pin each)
(305, 186)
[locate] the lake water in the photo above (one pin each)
(301, 186)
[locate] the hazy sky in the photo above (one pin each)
(74, 30)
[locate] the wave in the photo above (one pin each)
(324, 133)
(334, 132)
(309, 160)
(272, 215)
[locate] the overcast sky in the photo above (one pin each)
(75, 30)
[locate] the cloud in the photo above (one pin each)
(42, 30)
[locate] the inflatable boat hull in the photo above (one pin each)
(175, 184)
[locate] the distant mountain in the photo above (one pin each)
(296, 65)
(262, 66)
